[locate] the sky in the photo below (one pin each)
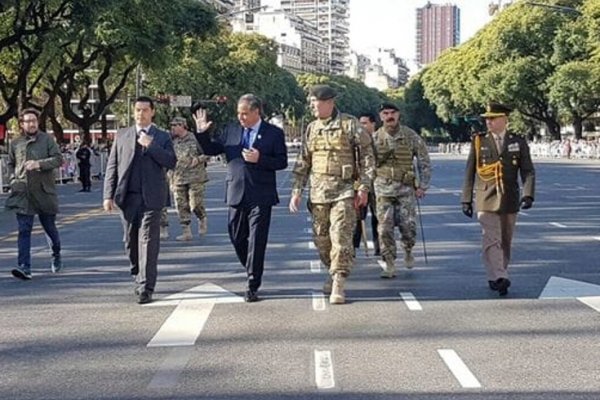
(392, 23)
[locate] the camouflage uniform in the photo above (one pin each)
(187, 182)
(395, 185)
(328, 159)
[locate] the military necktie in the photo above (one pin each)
(499, 143)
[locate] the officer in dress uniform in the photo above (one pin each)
(335, 154)
(493, 167)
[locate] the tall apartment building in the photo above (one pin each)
(300, 47)
(331, 19)
(438, 28)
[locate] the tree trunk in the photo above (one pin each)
(553, 128)
(578, 126)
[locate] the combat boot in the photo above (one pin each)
(389, 271)
(186, 234)
(164, 232)
(337, 290)
(203, 226)
(409, 259)
(327, 285)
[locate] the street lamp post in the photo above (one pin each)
(563, 9)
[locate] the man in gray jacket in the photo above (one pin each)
(32, 160)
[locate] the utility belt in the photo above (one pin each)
(397, 175)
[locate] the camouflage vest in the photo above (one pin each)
(394, 157)
(332, 148)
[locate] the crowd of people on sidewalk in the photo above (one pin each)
(580, 149)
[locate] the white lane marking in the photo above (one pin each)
(558, 224)
(318, 301)
(171, 368)
(324, 370)
(459, 369)
(593, 302)
(308, 230)
(311, 245)
(411, 302)
(597, 238)
(315, 266)
(308, 219)
(183, 326)
(523, 213)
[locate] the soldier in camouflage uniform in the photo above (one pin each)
(188, 178)
(335, 153)
(397, 186)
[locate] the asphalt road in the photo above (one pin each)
(435, 332)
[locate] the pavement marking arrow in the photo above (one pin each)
(560, 288)
(193, 307)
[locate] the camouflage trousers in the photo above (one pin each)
(396, 211)
(164, 218)
(333, 226)
(189, 198)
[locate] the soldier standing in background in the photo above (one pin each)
(329, 158)
(84, 155)
(396, 187)
(188, 179)
(493, 167)
(368, 121)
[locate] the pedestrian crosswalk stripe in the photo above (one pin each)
(318, 301)
(411, 302)
(324, 370)
(459, 369)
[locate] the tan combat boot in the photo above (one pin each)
(164, 232)
(390, 268)
(409, 259)
(327, 285)
(203, 226)
(186, 234)
(337, 290)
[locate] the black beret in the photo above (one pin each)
(322, 92)
(388, 106)
(496, 110)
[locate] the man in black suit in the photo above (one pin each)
(135, 182)
(254, 150)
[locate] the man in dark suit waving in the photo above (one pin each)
(135, 182)
(254, 150)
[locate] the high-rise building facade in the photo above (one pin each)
(331, 19)
(438, 28)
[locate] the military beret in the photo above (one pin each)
(388, 106)
(323, 92)
(496, 110)
(179, 121)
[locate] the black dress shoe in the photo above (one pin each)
(250, 296)
(493, 285)
(503, 284)
(145, 297)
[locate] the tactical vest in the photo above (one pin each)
(396, 161)
(332, 149)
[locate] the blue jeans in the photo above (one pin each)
(24, 242)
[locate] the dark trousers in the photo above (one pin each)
(141, 234)
(84, 176)
(249, 230)
(363, 215)
(25, 223)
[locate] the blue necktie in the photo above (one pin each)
(246, 138)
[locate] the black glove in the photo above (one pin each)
(467, 209)
(526, 203)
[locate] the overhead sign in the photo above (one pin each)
(180, 101)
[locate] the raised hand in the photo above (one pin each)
(200, 117)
